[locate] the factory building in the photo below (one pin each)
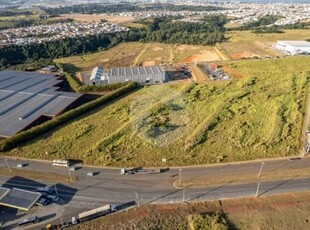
(96, 75)
(141, 74)
(294, 47)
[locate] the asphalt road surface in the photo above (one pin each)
(109, 187)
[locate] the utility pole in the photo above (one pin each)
(55, 187)
(7, 164)
(183, 195)
(257, 190)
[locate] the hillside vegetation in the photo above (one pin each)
(257, 115)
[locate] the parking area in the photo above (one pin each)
(214, 72)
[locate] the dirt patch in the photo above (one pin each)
(202, 56)
(243, 55)
(97, 18)
(148, 63)
(232, 72)
(105, 60)
(157, 48)
(197, 74)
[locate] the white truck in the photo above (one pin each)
(142, 171)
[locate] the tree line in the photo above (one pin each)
(209, 32)
(114, 8)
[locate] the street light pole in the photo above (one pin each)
(7, 164)
(70, 174)
(260, 170)
(55, 187)
(183, 195)
(180, 175)
(259, 173)
(137, 198)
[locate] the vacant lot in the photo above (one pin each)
(136, 53)
(245, 44)
(116, 19)
(259, 115)
(273, 212)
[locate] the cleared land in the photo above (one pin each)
(135, 53)
(260, 115)
(245, 44)
(116, 19)
(273, 212)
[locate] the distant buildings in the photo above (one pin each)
(141, 74)
(294, 47)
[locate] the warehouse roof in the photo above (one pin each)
(27, 96)
(20, 199)
(141, 70)
(296, 43)
(3, 192)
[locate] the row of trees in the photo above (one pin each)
(159, 30)
(16, 54)
(104, 8)
(210, 31)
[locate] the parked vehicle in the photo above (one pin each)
(46, 190)
(52, 197)
(30, 220)
(42, 201)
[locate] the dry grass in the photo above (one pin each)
(273, 212)
(257, 116)
(245, 44)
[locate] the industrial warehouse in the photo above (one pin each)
(294, 47)
(26, 97)
(141, 74)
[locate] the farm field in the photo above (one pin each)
(289, 211)
(245, 44)
(257, 115)
(135, 53)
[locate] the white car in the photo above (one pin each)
(72, 169)
(90, 174)
(20, 165)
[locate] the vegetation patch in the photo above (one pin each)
(188, 123)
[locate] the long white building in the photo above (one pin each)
(141, 74)
(294, 47)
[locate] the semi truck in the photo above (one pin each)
(97, 212)
(142, 171)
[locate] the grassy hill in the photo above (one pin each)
(258, 114)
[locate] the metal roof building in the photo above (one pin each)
(141, 74)
(96, 75)
(18, 198)
(26, 96)
(294, 47)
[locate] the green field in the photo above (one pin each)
(258, 115)
(266, 213)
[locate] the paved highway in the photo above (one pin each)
(108, 186)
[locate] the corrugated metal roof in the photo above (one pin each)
(141, 70)
(18, 198)
(26, 96)
(295, 43)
